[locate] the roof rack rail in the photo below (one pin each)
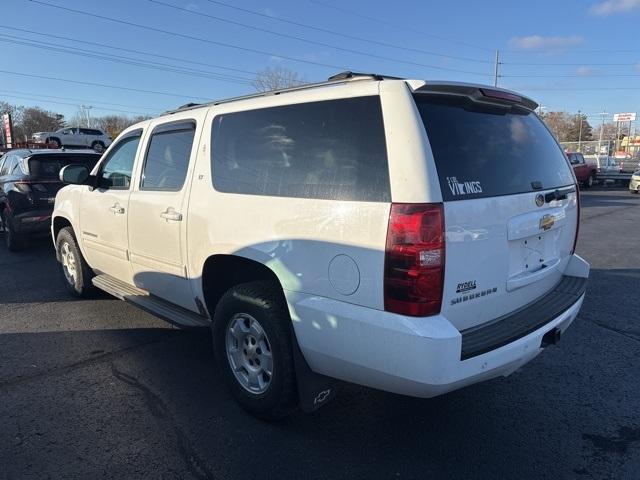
(348, 75)
(340, 77)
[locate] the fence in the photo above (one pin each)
(606, 147)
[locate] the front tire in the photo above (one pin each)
(253, 347)
(55, 141)
(74, 270)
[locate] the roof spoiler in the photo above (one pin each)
(479, 94)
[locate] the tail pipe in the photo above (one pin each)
(552, 337)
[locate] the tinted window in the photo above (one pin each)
(49, 166)
(117, 167)
(575, 158)
(4, 164)
(168, 156)
(483, 151)
(330, 150)
(9, 163)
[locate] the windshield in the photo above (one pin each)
(49, 166)
(484, 151)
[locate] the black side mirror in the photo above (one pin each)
(74, 174)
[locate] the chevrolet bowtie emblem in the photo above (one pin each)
(546, 222)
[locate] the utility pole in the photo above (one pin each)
(602, 114)
(580, 130)
(495, 72)
(85, 109)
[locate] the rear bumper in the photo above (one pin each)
(420, 357)
(33, 222)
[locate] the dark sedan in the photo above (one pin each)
(28, 186)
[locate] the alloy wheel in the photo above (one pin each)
(69, 266)
(249, 353)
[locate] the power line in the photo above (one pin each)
(81, 100)
(313, 42)
(140, 52)
(344, 35)
(525, 64)
(228, 45)
(104, 85)
(570, 89)
(189, 37)
(71, 104)
(121, 59)
(573, 75)
(400, 27)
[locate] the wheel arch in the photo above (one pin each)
(220, 272)
(59, 222)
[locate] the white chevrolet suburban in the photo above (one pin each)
(409, 236)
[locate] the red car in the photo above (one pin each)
(585, 172)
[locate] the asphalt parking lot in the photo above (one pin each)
(99, 389)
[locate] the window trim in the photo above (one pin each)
(161, 128)
(134, 133)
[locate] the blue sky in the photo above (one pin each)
(568, 55)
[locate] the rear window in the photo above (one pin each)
(483, 151)
(332, 149)
(44, 166)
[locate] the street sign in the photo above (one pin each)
(7, 127)
(624, 117)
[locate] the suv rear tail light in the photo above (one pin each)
(414, 259)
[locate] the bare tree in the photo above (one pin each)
(275, 78)
(30, 120)
(566, 126)
(114, 124)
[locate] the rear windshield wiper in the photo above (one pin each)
(558, 194)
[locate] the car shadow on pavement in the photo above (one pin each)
(610, 201)
(155, 396)
(32, 275)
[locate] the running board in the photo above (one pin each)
(152, 304)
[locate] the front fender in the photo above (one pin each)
(67, 207)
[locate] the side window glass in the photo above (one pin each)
(333, 149)
(168, 155)
(4, 164)
(115, 172)
(9, 164)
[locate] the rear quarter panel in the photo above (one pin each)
(327, 248)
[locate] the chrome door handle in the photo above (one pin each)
(117, 209)
(171, 214)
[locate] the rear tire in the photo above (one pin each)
(14, 241)
(97, 147)
(252, 335)
(590, 182)
(74, 270)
